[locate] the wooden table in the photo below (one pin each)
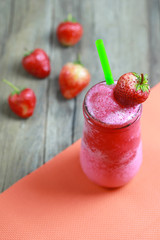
(131, 33)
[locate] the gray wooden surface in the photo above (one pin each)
(131, 33)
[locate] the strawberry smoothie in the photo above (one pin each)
(111, 150)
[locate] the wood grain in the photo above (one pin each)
(22, 141)
(131, 33)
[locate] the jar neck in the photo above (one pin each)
(99, 124)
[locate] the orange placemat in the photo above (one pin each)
(58, 202)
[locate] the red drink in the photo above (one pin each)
(111, 151)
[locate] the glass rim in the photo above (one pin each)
(105, 125)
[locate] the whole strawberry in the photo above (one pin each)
(21, 102)
(132, 89)
(69, 32)
(73, 79)
(37, 63)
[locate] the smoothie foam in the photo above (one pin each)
(101, 105)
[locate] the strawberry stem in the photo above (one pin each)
(78, 61)
(70, 18)
(142, 78)
(27, 53)
(17, 90)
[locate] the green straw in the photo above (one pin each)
(104, 62)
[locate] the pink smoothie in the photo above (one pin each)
(111, 151)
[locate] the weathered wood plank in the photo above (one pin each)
(22, 141)
(154, 40)
(89, 58)
(4, 32)
(60, 111)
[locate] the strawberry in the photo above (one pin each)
(69, 32)
(37, 63)
(132, 89)
(21, 102)
(73, 79)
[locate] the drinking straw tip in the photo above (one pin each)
(98, 41)
(104, 62)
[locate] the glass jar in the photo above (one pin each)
(110, 156)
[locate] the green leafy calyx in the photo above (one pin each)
(70, 19)
(27, 53)
(142, 82)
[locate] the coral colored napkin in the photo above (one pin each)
(58, 202)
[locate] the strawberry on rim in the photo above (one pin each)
(132, 89)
